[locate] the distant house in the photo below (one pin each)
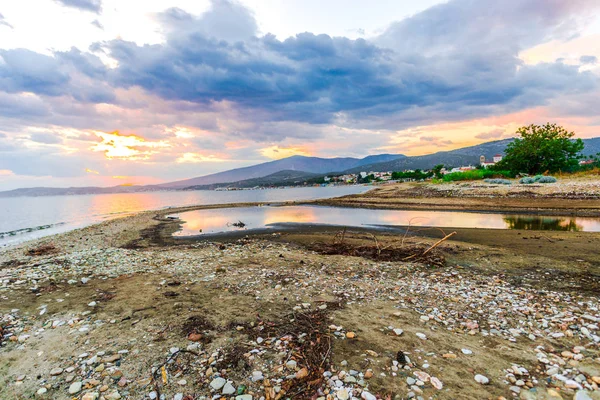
(586, 162)
(487, 163)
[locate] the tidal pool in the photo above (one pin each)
(213, 221)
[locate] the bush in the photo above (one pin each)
(538, 177)
(527, 180)
(498, 181)
(476, 174)
(546, 179)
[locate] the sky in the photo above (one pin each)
(111, 92)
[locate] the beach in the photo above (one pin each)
(122, 309)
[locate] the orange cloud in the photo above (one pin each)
(6, 172)
(276, 152)
(197, 158)
(91, 171)
(132, 147)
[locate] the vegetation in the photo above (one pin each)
(476, 174)
(528, 180)
(542, 148)
(417, 174)
(497, 181)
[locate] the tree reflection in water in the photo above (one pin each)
(542, 223)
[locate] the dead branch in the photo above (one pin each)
(448, 236)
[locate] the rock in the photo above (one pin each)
(291, 364)
(228, 388)
(56, 371)
(90, 396)
(75, 387)
(244, 397)
(436, 383)
(303, 373)
(182, 382)
(482, 379)
(92, 304)
(218, 383)
(398, 331)
(367, 396)
(584, 395)
(467, 351)
(342, 394)
(421, 336)
(369, 374)
(41, 392)
(350, 335)
(449, 355)
(257, 376)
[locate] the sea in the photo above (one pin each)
(27, 218)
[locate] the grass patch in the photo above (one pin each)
(476, 174)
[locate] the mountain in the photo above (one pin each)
(313, 165)
(455, 158)
(49, 191)
(281, 178)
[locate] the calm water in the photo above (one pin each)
(25, 218)
(221, 220)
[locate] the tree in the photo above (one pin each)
(437, 171)
(542, 148)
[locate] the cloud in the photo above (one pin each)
(4, 22)
(495, 134)
(94, 6)
(588, 59)
(97, 24)
(218, 89)
(46, 138)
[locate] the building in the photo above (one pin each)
(487, 163)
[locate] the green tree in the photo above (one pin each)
(437, 171)
(542, 148)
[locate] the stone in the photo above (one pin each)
(350, 335)
(302, 373)
(228, 388)
(436, 383)
(367, 396)
(90, 396)
(421, 336)
(398, 331)
(56, 371)
(244, 397)
(75, 387)
(41, 392)
(218, 383)
(291, 364)
(342, 394)
(467, 351)
(484, 380)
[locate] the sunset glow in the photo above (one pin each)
(166, 94)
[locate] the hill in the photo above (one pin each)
(281, 178)
(454, 158)
(315, 165)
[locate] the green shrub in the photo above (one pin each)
(538, 177)
(547, 179)
(498, 181)
(527, 180)
(476, 174)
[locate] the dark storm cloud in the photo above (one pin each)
(453, 61)
(84, 5)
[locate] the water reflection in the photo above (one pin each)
(221, 220)
(542, 223)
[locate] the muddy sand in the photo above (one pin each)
(570, 196)
(122, 310)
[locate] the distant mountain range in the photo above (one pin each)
(291, 170)
(313, 165)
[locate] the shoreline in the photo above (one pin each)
(100, 308)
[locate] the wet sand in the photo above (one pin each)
(109, 302)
